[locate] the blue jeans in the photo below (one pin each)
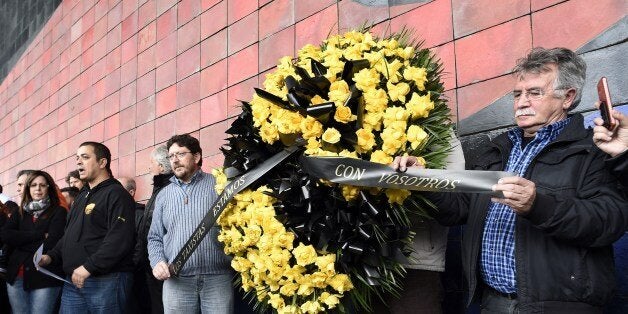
(204, 293)
(100, 294)
(34, 301)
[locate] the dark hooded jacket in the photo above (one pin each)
(100, 232)
(141, 255)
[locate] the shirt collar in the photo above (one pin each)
(545, 132)
(195, 176)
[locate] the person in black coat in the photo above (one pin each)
(39, 220)
(161, 170)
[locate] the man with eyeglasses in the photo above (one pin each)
(545, 244)
(204, 283)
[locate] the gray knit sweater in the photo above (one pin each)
(179, 209)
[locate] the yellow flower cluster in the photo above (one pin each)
(290, 279)
(392, 90)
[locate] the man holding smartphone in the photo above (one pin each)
(543, 242)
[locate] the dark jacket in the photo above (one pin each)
(23, 237)
(563, 252)
(618, 166)
(141, 257)
(100, 232)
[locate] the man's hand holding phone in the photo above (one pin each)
(613, 141)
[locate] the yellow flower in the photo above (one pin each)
(353, 52)
(374, 120)
(366, 139)
(339, 92)
(416, 135)
(312, 147)
(393, 140)
(389, 70)
(331, 300)
(343, 114)
(366, 79)
(326, 263)
(394, 114)
(420, 106)
(317, 100)
(269, 133)
(418, 75)
(348, 154)
(311, 128)
(341, 283)
(288, 309)
(376, 100)
(289, 289)
(379, 156)
(398, 91)
(221, 179)
(309, 51)
(396, 196)
(311, 307)
(350, 192)
(405, 53)
(304, 254)
(331, 136)
(275, 300)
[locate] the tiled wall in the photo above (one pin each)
(133, 73)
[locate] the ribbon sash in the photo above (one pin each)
(227, 194)
(358, 172)
(348, 171)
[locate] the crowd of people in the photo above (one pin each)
(542, 243)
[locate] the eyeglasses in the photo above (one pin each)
(41, 185)
(179, 155)
(531, 94)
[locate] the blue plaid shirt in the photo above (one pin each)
(498, 242)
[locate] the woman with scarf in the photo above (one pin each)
(39, 220)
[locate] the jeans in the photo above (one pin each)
(100, 294)
(34, 301)
(204, 293)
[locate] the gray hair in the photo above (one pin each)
(572, 70)
(160, 154)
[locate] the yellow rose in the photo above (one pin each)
(379, 156)
(405, 53)
(311, 307)
(376, 100)
(304, 254)
(374, 120)
(420, 106)
(275, 300)
(341, 283)
(366, 79)
(289, 289)
(269, 133)
(398, 91)
(331, 136)
(326, 263)
(350, 192)
(353, 52)
(311, 128)
(416, 136)
(331, 300)
(312, 147)
(394, 114)
(339, 92)
(288, 309)
(418, 75)
(317, 100)
(221, 179)
(393, 140)
(366, 139)
(343, 114)
(396, 196)
(390, 70)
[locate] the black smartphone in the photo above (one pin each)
(605, 104)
